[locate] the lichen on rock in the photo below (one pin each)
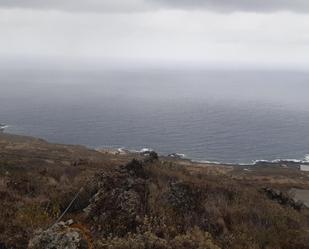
(59, 236)
(120, 200)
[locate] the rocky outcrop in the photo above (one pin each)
(120, 200)
(283, 198)
(60, 236)
(300, 196)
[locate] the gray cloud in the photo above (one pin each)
(192, 38)
(143, 5)
(240, 5)
(79, 5)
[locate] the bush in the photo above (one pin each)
(195, 239)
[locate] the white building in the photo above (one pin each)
(304, 167)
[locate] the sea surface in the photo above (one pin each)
(222, 116)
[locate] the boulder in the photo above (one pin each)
(59, 236)
(283, 198)
(300, 196)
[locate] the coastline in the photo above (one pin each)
(184, 159)
(21, 143)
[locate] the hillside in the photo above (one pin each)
(144, 201)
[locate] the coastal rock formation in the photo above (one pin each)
(60, 236)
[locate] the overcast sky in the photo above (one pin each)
(210, 33)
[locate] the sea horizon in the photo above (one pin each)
(208, 115)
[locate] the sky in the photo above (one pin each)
(187, 33)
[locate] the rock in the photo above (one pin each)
(135, 168)
(59, 236)
(176, 155)
(300, 196)
(120, 199)
(151, 155)
(70, 222)
(283, 198)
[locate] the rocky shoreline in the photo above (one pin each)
(284, 163)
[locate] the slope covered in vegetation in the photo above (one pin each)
(147, 202)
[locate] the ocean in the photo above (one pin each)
(212, 115)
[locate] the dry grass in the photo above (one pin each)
(187, 206)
